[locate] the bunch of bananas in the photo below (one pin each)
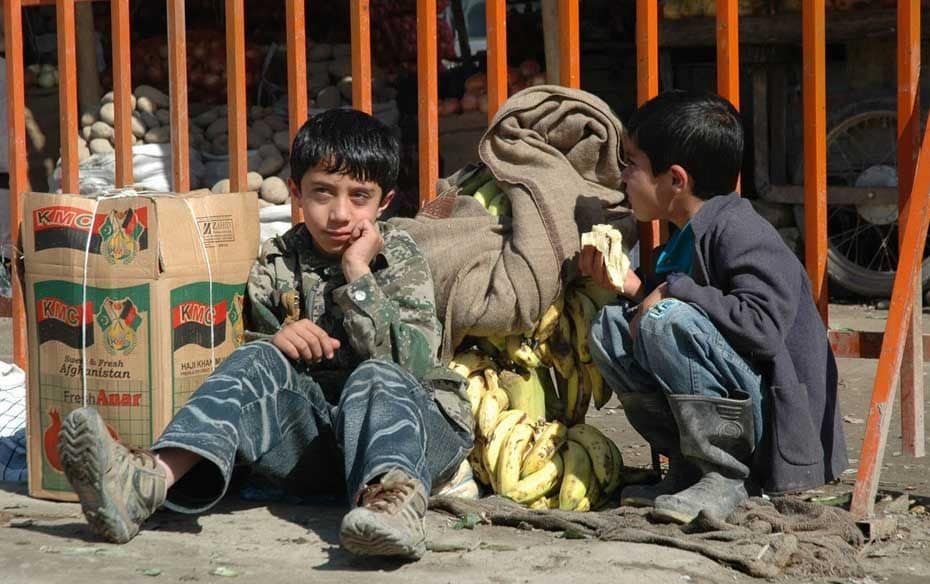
(529, 394)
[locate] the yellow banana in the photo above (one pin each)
(584, 395)
(572, 395)
(598, 390)
(492, 404)
(492, 379)
(470, 361)
(475, 390)
(521, 353)
(560, 347)
(545, 503)
(575, 477)
(582, 312)
(598, 448)
(545, 448)
(525, 392)
(511, 457)
(550, 319)
(613, 483)
(538, 484)
(477, 466)
(505, 423)
(542, 352)
(592, 497)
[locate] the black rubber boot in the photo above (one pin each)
(649, 414)
(718, 436)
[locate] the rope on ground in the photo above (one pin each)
(761, 538)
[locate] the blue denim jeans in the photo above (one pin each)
(258, 409)
(677, 350)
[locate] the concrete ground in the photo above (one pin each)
(42, 541)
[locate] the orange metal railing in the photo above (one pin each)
(901, 353)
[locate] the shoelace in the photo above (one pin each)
(385, 498)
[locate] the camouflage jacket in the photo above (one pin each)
(389, 314)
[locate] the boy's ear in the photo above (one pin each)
(293, 189)
(679, 176)
(385, 201)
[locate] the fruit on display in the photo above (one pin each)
(675, 9)
(206, 64)
(528, 74)
(394, 34)
(530, 392)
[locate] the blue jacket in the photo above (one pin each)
(757, 293)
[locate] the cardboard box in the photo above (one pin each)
(142, 312)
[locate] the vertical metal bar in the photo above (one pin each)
(899, 316)
(427, 98)
(647, 87)
(569, 44)
(296, 75)
(122, 90)
(815, 150)
(496, 15)
(67, 96)
(177, 72)
(235, 94)
(912, 379)
(728, 50)
(19, 181)
(361, 55)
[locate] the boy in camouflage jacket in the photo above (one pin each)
(341, 388)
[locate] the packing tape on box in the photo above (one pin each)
(122, 193)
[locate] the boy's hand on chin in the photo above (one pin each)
(366, 243)
(304, 340)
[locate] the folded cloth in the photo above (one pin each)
(557, 154)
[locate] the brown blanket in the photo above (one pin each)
(556, 152)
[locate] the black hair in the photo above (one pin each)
(701, 132)
(350, 142)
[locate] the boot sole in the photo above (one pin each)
(376, 542)
(84, 460)
(668, 516)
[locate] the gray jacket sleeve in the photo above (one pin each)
(753, 294)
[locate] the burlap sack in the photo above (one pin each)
(557, 154)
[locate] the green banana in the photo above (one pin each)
(486, 193)
(525, 392)
(473, 182)
(499, 205)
